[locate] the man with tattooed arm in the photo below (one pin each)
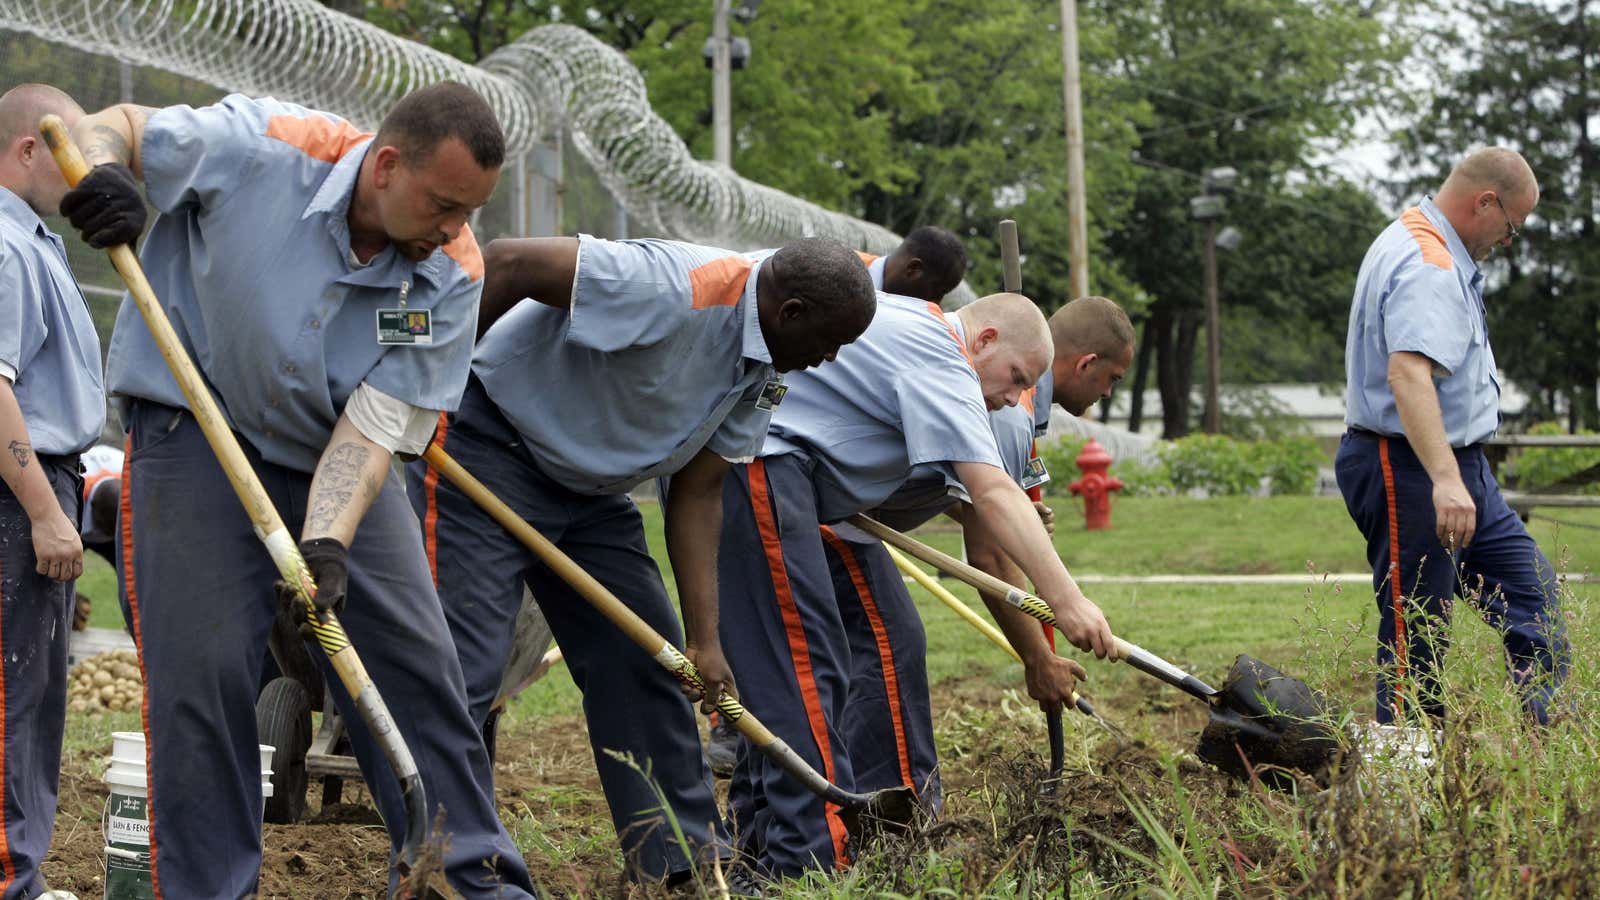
(326, 284)
(52, 406)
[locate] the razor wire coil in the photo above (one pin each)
(552, 80)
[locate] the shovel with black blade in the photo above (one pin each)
(1264, 724)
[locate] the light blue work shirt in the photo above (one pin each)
(1420, 291)
(903, 394)
(932, 488)
(875, 266)
(1044, 397)
(47, 336)
(251, 257)
(661, 355)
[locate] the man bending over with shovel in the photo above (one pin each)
(888, 723)
(916, 388)
(326, 284)
(628, 360)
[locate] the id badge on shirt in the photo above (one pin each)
(1034, 474)
(402, 326)
(771, 394)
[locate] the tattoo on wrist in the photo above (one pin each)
(22, 452)
(335, 485)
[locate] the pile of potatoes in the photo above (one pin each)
(104, 682)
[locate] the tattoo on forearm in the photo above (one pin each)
(106, 144)
(22, 452)
(335, 485)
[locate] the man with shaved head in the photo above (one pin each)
(1422, 395)
(917, 387)
(52, 406)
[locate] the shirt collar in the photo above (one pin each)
(958, 327)
(333, 199)
(1458, 250)
(18, 210)
(754, 344)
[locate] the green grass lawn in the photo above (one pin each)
(1201, 626)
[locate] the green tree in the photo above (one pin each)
(813, 112)
(1259, 85)
(1533, 84)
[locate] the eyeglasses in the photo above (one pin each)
(1512, 231)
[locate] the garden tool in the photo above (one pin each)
(1263, 723)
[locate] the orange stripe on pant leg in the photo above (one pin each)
(1401, 650)
(799, 647)
(430, 519)
(891, 678)
(8, 867)
(126, 526)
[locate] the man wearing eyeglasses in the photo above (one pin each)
(1422, 395)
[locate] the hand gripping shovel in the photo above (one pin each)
(1263, 723)
(411, 860)
(890, 805)
(1057, 751)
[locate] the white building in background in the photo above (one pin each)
(1320, 407)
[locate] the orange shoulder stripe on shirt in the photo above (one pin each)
(868, 258)
(318, 137)
(719, 282)
(464, 250)
(1428, 238)
(939, 314)
(1026, 400)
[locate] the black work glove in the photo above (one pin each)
(329, 563)
(106, 206)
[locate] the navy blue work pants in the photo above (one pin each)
(632, 704)
(35, 619)
(888, 717)
(1503, 574)
(199, 583)
(790, 654)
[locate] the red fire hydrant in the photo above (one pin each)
(1095, 485)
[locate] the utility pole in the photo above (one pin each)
(1077, 205)
(1213, 416)
(1208, 208)
(721, 87)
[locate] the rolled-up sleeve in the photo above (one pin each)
(196, 157)
(21, 320)
(626, 294)
(943, 416)
(1424, 313)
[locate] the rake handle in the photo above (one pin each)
(1010, 256)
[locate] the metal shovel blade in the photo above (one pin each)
(891, 809)
(1266, 723)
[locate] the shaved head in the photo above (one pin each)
(1493, 169)
(23, 106)
(26, 167)
(1009, 341)
(1091, 325)
(1488, 198)
(1094, 347)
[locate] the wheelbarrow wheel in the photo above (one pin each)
(283, 719)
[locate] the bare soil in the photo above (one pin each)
(545, 783)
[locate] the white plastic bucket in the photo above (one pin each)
(126, 825)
